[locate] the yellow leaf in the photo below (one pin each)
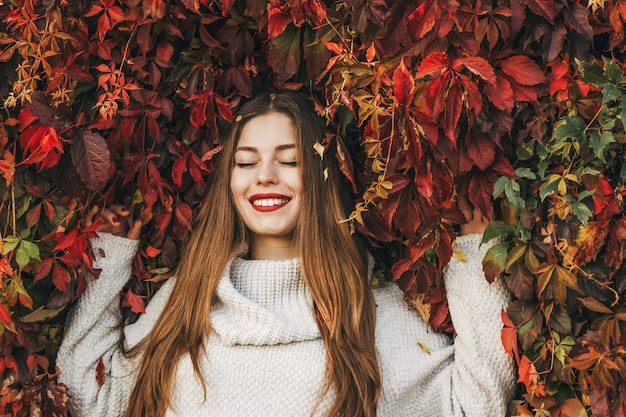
(387, 184)
(422, 307)
(594, 5)
(562, 187)
(424, 347)
(459, 256)
(319, 149)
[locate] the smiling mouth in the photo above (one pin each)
(270, 202)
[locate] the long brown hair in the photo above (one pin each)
(332, 267)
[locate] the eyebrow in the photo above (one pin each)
(278, 148)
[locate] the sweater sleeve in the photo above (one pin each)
(92, 333)
(483, 373)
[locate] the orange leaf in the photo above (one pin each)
(509, 336)
(335, 47)
(134, 301)
(151, 251)
(5, 316)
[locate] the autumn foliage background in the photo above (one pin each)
(518, 104)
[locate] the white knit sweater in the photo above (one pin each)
(265, 356)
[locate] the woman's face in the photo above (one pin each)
(266, 184)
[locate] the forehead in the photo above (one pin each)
(268, 130)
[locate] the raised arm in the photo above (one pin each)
(93, 330)
(92, 334)
(483, 373)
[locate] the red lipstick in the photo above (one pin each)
(268, 201)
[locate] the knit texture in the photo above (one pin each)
(265, 356)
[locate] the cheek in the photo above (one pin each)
(237, 194)
(236, 186)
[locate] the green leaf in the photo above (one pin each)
(612, 71)
(610, 93)
(21, 257)
(511, 190)
(498, 186)
(571, 127)
(494, 262)
(600, 142)
(580, 210)
(525, 173)
(542, 167)
(497, 228)
(9, 243)
(585, 194)
(525, 150)
(549, 188)
(592, 73)
(31, 249)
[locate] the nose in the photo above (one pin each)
(266, 174)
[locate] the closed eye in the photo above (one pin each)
(289, 163)
(245, 164)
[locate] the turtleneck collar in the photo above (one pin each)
(263, 302)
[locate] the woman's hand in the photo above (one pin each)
(116, 220)
(476, 222)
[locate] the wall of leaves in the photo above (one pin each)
(517, 104)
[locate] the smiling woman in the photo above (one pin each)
(266, 184)
(271, 312)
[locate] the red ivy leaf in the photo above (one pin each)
(546, 8)
(501, 94)
(452, 110)
(577, 16)
(226, 6)
(92, 159)
(155, 9)
(42, 146)
(403, 84)
(61, 278)
(481, 150)
(33, 215)
(284, 54)
(432, 64)
(59, 117)
(43, 268)
(437, 15)
(277, 20)
(193, 5)
(523, 70)
(65, 240)
(183, 215)
(477, 65)
(523, 93)
(439, 311)
(480, 189)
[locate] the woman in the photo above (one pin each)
(271, 314)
